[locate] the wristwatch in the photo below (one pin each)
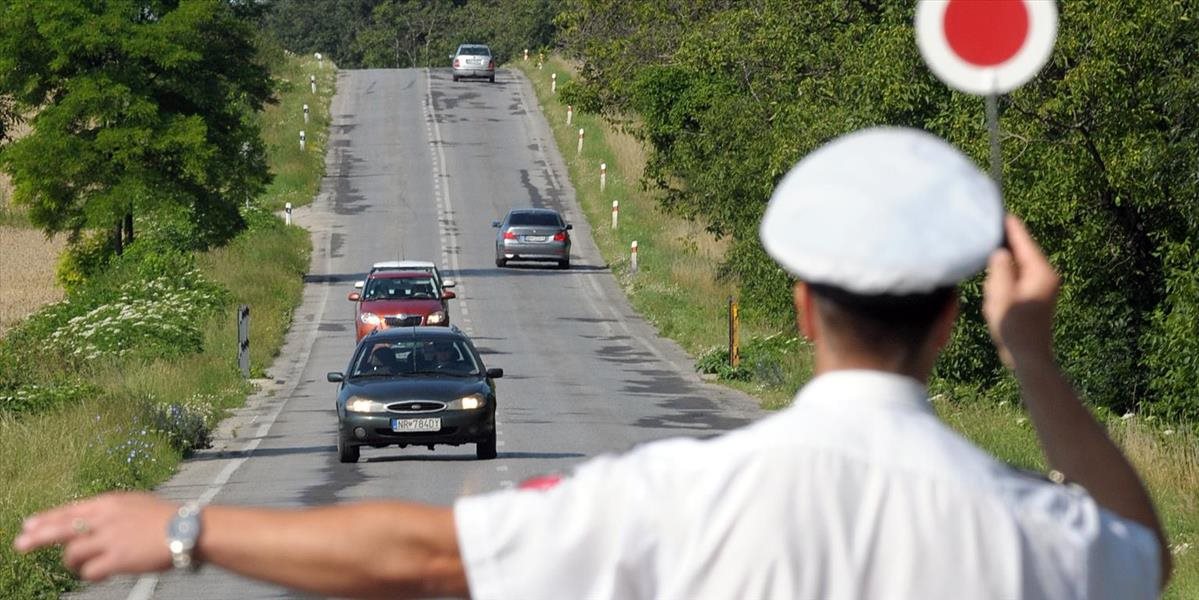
(182, 533)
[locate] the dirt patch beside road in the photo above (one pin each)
(27, 261)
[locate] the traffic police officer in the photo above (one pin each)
(857, 490)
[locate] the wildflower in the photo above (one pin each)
(1021, 421)
(1168, 432)
(1128, 415)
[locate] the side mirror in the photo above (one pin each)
(354, 296)
(495, 223)
(495, 373)
(359, 284)
(448, 283)
(569, 226)
(335, 377)
(451, 57)
(448, 295)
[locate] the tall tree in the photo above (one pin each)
(326, 26)
(137, 104)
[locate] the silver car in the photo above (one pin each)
(532, 234)
(473, 60)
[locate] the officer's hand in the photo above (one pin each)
(105, 535)
(1019, 296)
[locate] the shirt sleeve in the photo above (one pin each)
(1124, 560)
(587, 537)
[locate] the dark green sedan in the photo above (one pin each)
(418, 386)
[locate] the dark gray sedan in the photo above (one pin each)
(532, 234)
(419, 386)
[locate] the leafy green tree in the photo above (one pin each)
(330, 27)
(137, 105)
(1099, 154)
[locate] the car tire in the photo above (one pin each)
(564, 264)
(455, 78)
(491, 79)
(501, 263)
(485, 450)
(346, 453)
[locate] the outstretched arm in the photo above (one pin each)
(363, 550)
(1019, 296)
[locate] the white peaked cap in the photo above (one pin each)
(885, 210)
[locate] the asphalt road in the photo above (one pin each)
(418, 167)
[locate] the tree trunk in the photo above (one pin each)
(129, 228)
(117, 245)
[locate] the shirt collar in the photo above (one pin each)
(863, 390)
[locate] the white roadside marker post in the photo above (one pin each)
(320, 60)
(633, 258)
(287, 213)
(615, 212)
(570, 114)
(305, 114)
(312, 82)
(553, 83)
(526, 54)
(579, 150)
(303, 138)
(603, 176)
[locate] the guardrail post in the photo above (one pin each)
(734, 334)
(243, 340)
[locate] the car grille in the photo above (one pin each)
(402, 321)
(416, 406)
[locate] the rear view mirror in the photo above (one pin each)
(334, 377)
(448, 295)
(495, 373)
(354, 296)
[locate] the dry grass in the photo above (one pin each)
(27, 261)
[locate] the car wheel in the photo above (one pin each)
(564, 264)
(485, 450)
(499, 262)
(455, 78)
(491, 79)
(346, 453)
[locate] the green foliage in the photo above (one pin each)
(326, 26)
(1098, 154)
(136, 106)
(185, 425)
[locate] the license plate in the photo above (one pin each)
(534, 238)
(431, 424)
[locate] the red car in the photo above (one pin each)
(399, 299)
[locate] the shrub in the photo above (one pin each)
(184, 425)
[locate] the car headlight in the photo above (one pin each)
(471, 402)
(365, 405)
(436, 318)
(370, 318)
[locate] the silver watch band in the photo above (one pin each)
(182, 533)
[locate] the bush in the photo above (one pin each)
(185, 425)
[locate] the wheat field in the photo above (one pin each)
(27, 261)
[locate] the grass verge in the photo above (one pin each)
(106, 441)
(677, 289)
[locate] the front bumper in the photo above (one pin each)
(457, 427)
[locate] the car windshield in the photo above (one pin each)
(405, 288)
(402, 358)
(474, 51)
(544, 219)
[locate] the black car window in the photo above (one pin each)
(407, 288)
(474, 51)
(543, 219)
(404, 358)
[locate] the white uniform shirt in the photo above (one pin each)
(857, 490)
